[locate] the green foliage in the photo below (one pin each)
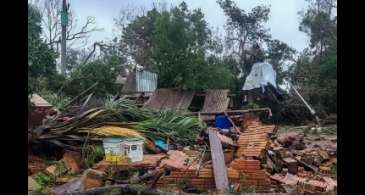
(58, 101)
(277, 54)
(307, 131)
(315, 72)
(61, 167)
(249, 189)
(114, 191)
(44, 181)
(41, 59)
(128, 109)
(329, 130)
(319, 23)
(245, 34)
(180, 57)
(102, 71)
(334, 169)
(252, 105)
(74, 59)
(175, 43)
(181, 129)
(137, 37)
(92, 154)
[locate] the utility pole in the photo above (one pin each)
(311, 110)
(64, 21)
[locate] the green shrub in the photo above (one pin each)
(44, 181)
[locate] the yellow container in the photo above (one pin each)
(118, 159)
(113, 153)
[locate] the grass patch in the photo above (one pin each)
(334, 170)
(248, 189)
(57, 100)
(330, 130)
(45, 182)
(92, 154)
(307, 131)
(115, 191)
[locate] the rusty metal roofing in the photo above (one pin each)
(170, 99)
(38, 101)
(216, 100)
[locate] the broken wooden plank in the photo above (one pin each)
(234, 111)
(307, 166)
(291, 164)
(219, 166)
(71, 187)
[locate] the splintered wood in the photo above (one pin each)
(241, 171)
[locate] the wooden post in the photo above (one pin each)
(63, 37)
(219, 165)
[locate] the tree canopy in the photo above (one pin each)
(315, 73)
(178, 44)
(175, 43)
(41, 59)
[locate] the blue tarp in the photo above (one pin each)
(222, 122)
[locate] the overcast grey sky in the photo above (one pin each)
(283, 22)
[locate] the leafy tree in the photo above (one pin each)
(74, 59)
(103, 68)
(137, 36)
(175, 44)
(315, 73)
(319, 23)
(245, 34)
(279, 54)
(41, 59)
(103, 71)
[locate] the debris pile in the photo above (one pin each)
(185, 154)
(306, 162)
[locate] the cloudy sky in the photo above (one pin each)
(283, 22)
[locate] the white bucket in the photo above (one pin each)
(112, 146)
(133, 148)
(121, 149)
(112, 149)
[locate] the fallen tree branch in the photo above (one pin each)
(82, 93)
(121, 188)
(148, 175)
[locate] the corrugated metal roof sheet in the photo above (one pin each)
(146, 81)
(140, 81)
(178, 100)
